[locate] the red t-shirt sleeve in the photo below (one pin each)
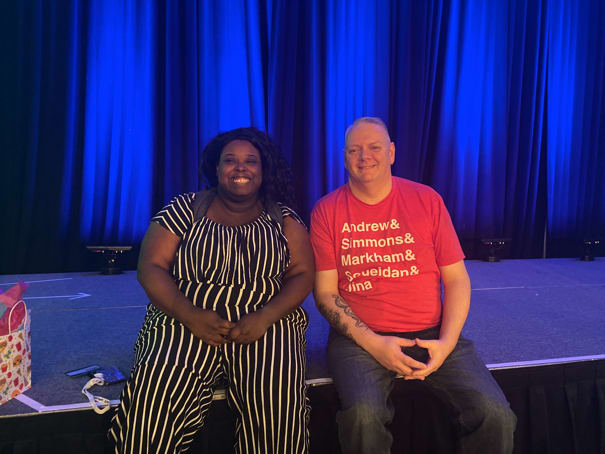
(447, 246)
(322, 239)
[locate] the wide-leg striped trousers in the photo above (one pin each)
(169, 392)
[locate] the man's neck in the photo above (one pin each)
(372, 193)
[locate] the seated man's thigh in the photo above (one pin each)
(358, 377)
(467, 385)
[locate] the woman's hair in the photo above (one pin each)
(277, 176)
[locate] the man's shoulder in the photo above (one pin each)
(330, 199)
(408, 187)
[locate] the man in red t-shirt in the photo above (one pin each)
(383, 246)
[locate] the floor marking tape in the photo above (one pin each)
(30, 402)
(92, 308)
(41, 280)
(545, 362)
(83, 405)
(540, 287)
(71, 297)
(40, 408)
(497, 288)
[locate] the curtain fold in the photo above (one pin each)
(118, 127)
(497, 105)
(600, 391)
(576, 162)
(583, 402)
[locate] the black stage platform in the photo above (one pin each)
(537, 324)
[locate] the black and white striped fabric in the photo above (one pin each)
(233, 270)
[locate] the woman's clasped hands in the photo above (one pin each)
(209, 326)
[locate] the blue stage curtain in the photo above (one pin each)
(489, 126)
(497, 105)
(118, 122)
(576, 119)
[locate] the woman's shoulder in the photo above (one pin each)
(181, 202)
(186, 196)
(286, 211)
(176, 216)
(183, 199)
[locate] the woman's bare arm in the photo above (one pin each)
(158, 252)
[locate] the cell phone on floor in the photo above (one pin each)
(111, 375)
(82, 371)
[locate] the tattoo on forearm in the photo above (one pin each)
(334, 317)
(347, 309)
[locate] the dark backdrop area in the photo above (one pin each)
(498, 105)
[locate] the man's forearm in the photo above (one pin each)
(340, 315)
(456, 303)
(385, 349)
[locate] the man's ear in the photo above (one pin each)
(392, 152)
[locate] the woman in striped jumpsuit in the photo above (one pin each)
(225, 293)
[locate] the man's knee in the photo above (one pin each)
(499, 414)
(490, 415)
(504, 418)
(488, 426)
(362, 429)
(364, 414)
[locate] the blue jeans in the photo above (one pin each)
(484, 418)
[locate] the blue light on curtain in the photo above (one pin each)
(525, 192)
(489, 135)
(117, 162)
(576, 142)
(230, 65)
(497, 105)
(357, 81)
(473, 136)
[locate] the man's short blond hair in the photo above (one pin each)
(372, 120)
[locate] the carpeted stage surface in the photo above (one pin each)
(521, 310)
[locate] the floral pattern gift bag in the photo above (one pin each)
(15, 344)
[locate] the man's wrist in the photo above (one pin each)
(368, 340)
(449, 342)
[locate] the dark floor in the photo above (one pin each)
(521, 311)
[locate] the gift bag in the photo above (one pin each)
(15, 345)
